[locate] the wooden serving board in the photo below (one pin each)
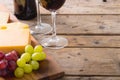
(49, 69)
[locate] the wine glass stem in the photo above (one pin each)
(38, 13)
(53, 14)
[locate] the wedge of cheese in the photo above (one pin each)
(14, 36)
(4, 17)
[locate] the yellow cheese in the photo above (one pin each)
(4, 17)
(14, 36)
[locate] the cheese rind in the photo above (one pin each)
(14, 36)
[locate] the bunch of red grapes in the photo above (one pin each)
(8, 63)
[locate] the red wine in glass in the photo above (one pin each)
(53, 42)
(52, 5)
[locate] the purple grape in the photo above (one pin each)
(11, 56)
(2, 54)
(3, 73)
(3, 64)
(15, 52)
(12, 65)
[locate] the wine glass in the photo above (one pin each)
(53, 42)
(42, 28)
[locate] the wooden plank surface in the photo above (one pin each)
(90, 41)
(90, 78)
(88, 61)
(83, 24)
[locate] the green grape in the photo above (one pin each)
(19, 72)
(38, 48)
(21, 62)
(26, 56)
(27, 68)
(43, 56)
(35, 65)
(38, 56)
(29, 49)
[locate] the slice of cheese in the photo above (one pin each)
(4, 17)
(14, 36)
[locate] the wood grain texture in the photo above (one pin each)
(88, 41)
(83, 24)
(88, 61)
(87, 24)
(89, 78)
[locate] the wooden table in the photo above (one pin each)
(93, 30)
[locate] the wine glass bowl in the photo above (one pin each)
(53, 42)
(52, 5)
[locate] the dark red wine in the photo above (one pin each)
(25, 9)
(52, 5)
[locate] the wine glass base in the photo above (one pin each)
(54, 43)
(44, 28)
